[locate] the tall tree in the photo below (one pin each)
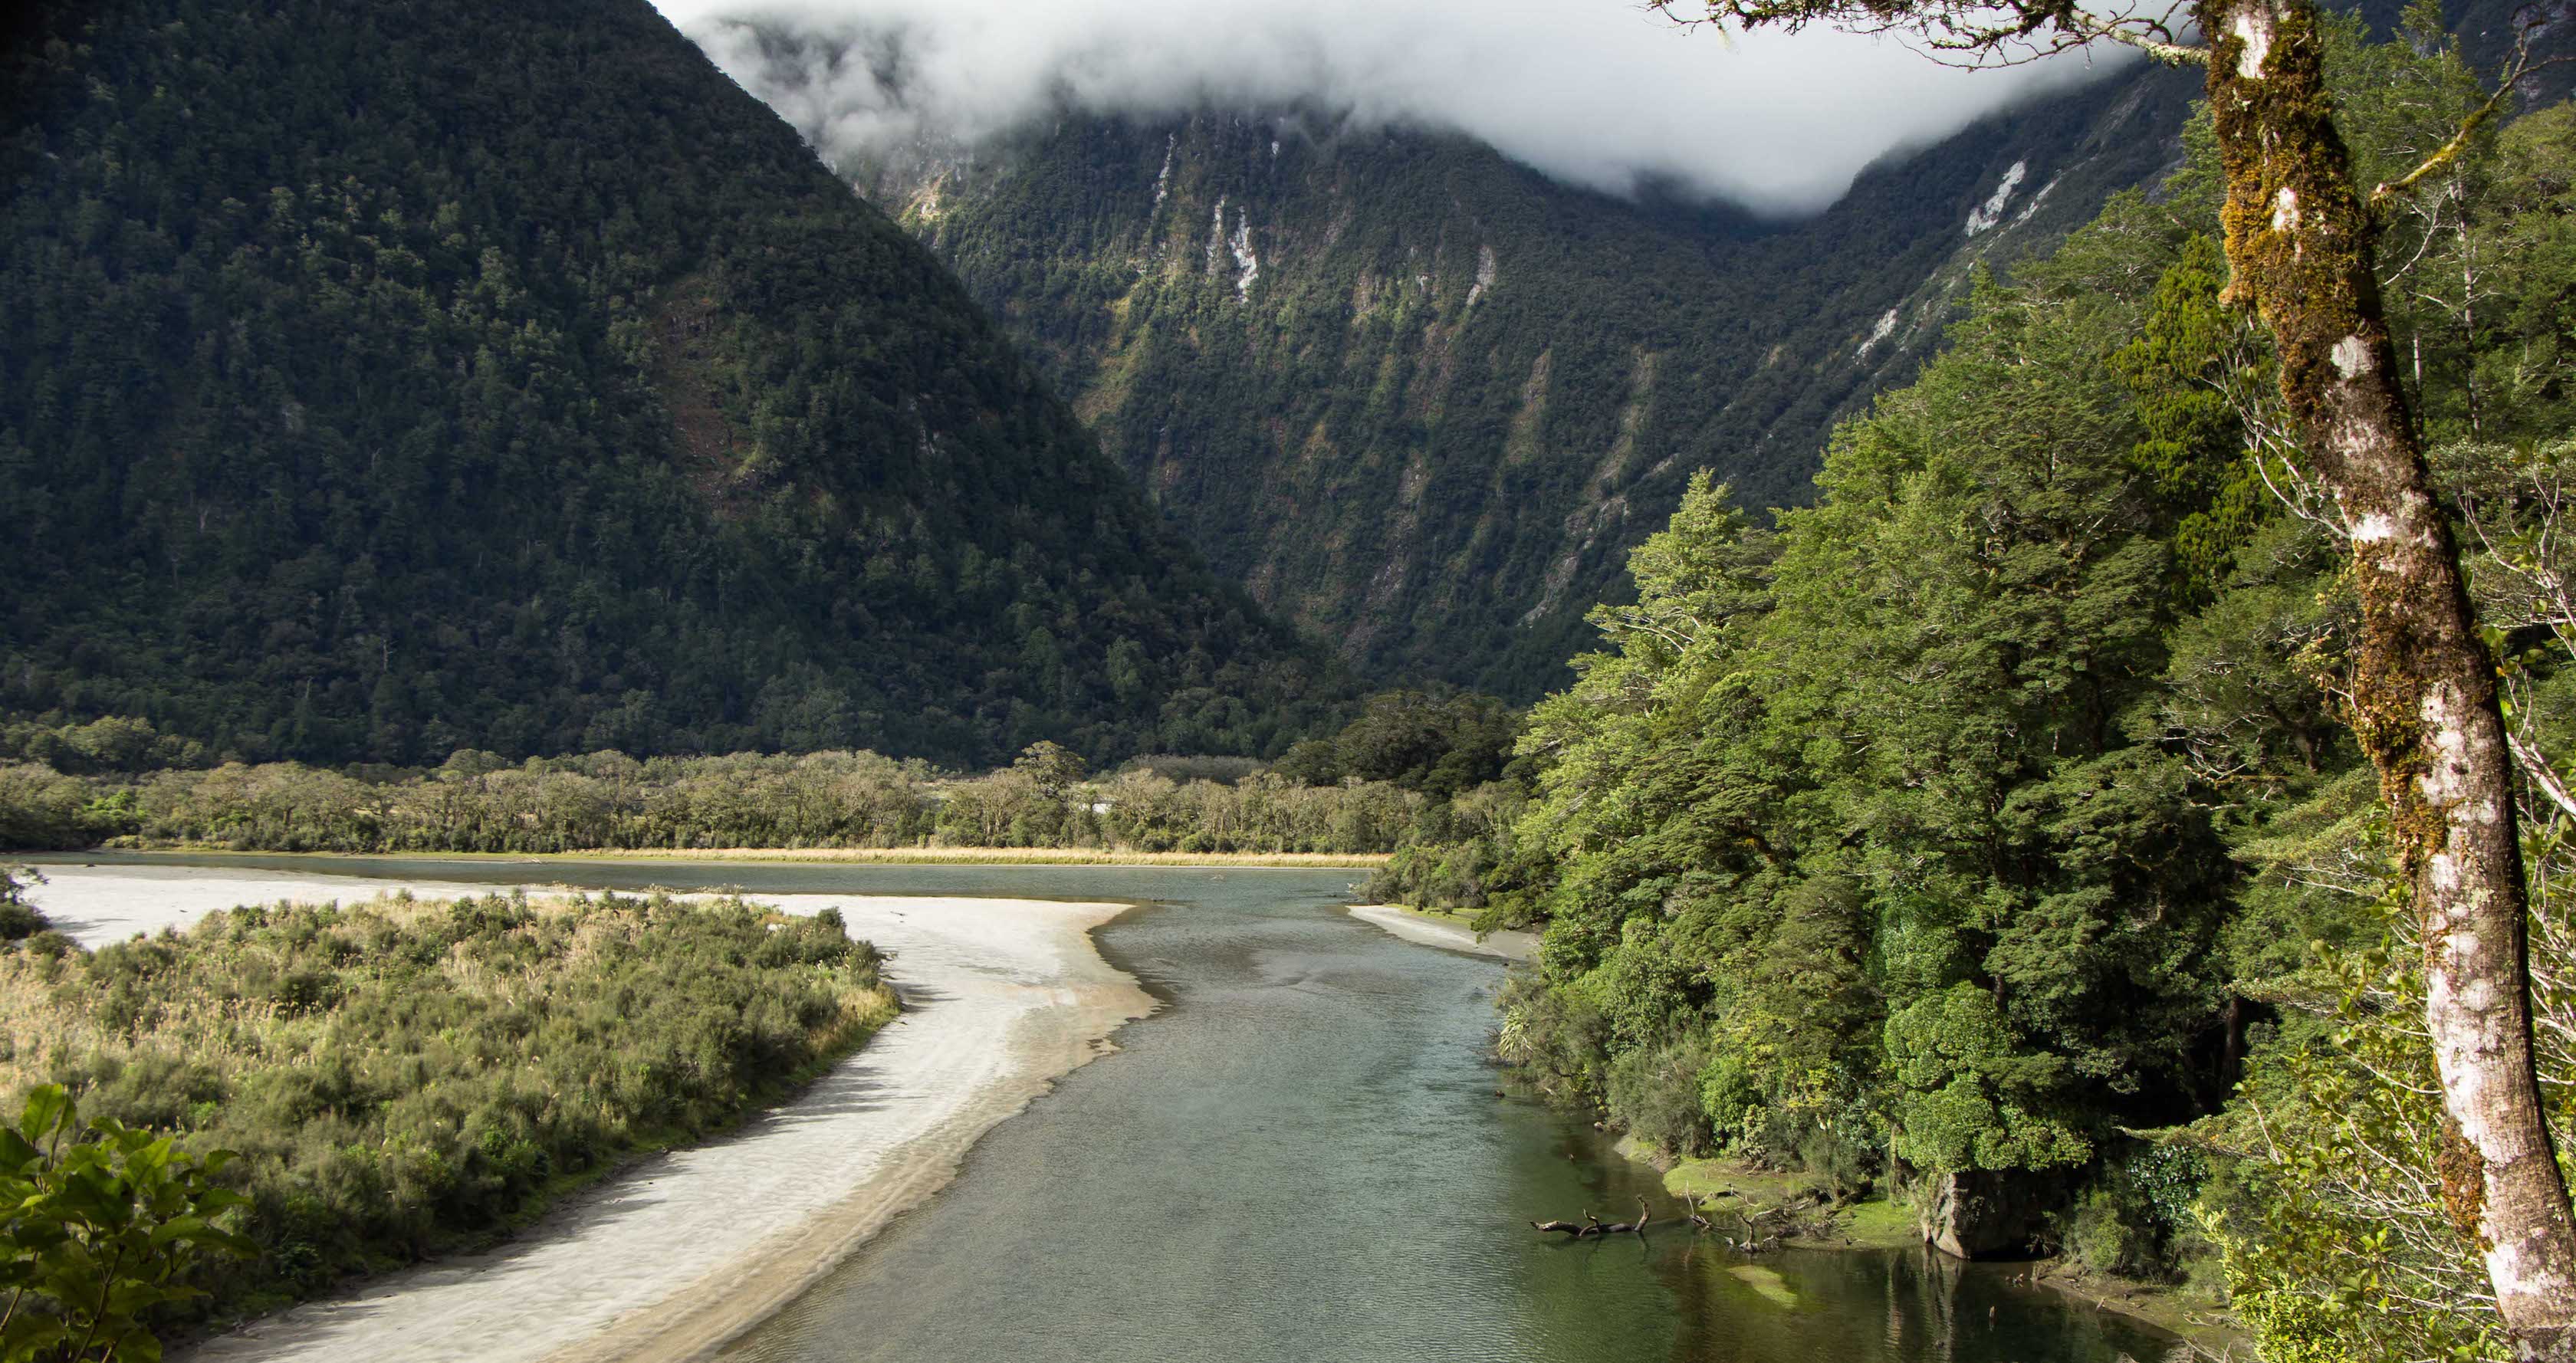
(2299, 240)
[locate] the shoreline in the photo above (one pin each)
(1508, 944)
(1880, 1223)
(889, 856)
(679, 1254)
(700, 1319)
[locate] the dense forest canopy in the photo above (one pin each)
(381, 380)
(1992, 823)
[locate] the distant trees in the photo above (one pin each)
(1439, 743)
(43, 810)
(608, 800)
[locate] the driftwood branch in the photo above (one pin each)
(1593, 1226)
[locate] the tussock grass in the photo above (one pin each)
(404, 1078)
(1007, 856)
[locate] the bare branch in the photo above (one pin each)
(2518, 69)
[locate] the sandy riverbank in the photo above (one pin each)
(684, 1251)
(1441, 932)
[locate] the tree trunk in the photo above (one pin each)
(2299, 243)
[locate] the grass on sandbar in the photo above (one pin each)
(405, 1078)
(1000, 856)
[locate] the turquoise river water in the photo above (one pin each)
(1304, 1156)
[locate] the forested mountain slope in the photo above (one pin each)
(1423, 399)
(380, 379)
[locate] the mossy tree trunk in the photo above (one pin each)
(2299, 240)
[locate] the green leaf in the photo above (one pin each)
(48, 1106)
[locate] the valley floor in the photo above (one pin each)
(892, 856)
(679, 1254)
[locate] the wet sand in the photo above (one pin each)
(679, 1254)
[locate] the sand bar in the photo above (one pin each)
(1506, 943)
(681, 1253)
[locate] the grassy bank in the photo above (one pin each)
(404, 1079)
(1728, 1189)
(1017, 856)
(1464, 922)
(885, 856)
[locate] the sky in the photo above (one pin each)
(1600, 93)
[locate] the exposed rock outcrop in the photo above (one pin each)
(1985, 1213)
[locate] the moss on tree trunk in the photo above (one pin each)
(2299, 241)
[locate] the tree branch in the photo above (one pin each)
(2520, 69)
(2537, 768)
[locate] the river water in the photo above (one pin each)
(1304, 1156)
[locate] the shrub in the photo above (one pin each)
(403, 1079)
(1655, 1094)
(99, 1226)
(19, 919)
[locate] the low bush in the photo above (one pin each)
(404, 1078)
(18, 918)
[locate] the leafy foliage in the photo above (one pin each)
(18, 918)
(1995, 807)
(101, 1230)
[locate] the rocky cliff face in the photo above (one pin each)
(1422, 399)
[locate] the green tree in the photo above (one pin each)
(1055, 768)
(18, 918)
(2300, 236)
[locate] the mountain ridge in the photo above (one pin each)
(383, 380)
(1419, 398)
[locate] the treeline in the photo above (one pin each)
(403, 1079)
(1408, 769)
(1999, 807)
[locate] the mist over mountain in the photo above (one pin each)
(1602, 94)
(1421, 398)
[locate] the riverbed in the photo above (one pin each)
(1305, 1155)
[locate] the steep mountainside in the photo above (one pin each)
(1423, 399)
(383, 378)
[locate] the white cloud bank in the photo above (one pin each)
(1595, 92)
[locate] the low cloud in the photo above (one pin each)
(1594, 92)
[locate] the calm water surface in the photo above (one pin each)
(1304, 1157)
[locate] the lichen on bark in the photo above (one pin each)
(2299, 239)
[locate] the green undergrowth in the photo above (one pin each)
(1462, 921)
(1727, 1188)
(404, 1079)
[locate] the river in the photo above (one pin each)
(1305, 1156)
